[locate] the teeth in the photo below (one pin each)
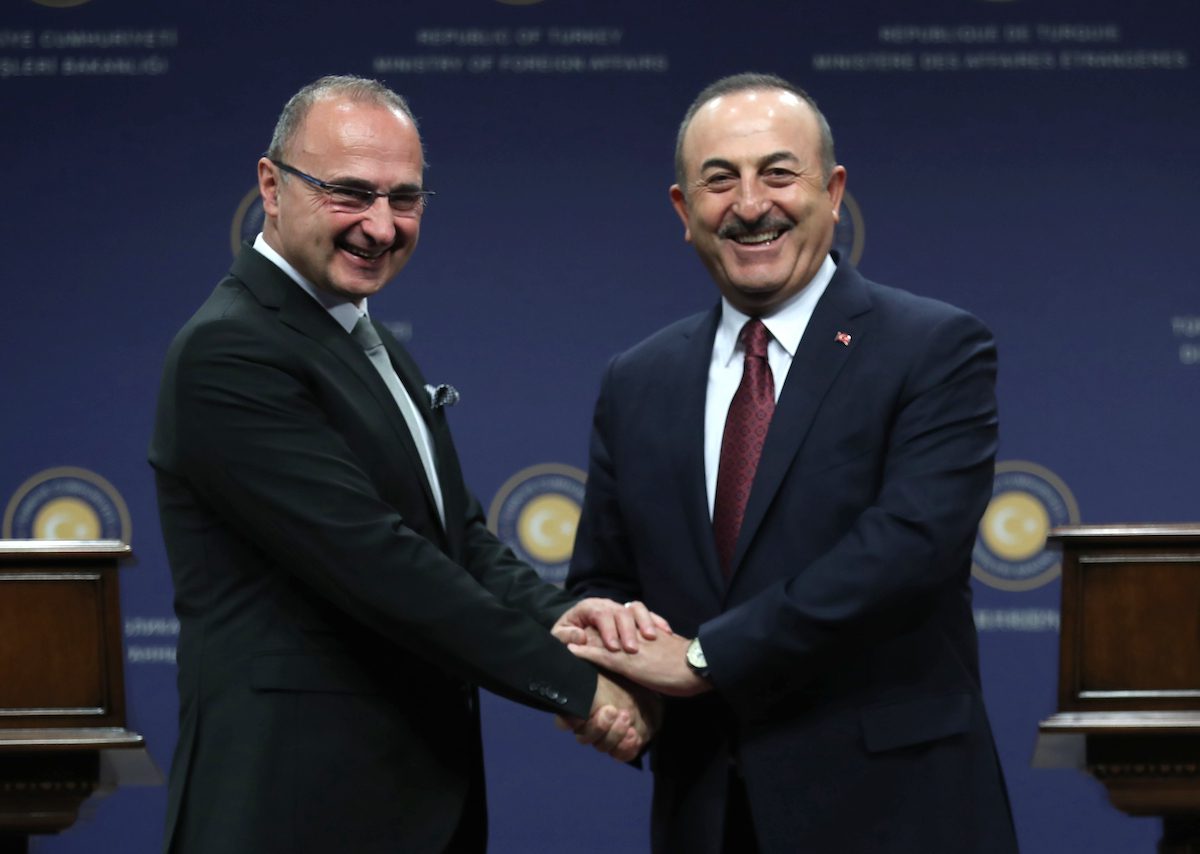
(361, 253)
(765, 237)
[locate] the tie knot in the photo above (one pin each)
(755, 338)
(364, 333)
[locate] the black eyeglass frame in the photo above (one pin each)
(416, 200)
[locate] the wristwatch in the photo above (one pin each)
(696, 660)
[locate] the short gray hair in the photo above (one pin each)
(357, 89)
(746, 82)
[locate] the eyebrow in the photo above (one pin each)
(768, 160)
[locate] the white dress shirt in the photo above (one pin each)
(786, 325)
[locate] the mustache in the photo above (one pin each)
(738, 227)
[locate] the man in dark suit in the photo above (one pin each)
(339, 595)
(794, 480)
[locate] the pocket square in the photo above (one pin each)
(442, 395)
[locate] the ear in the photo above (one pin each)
(681, 208)
(268, 187)
(836, 189)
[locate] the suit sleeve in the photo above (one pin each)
(253, 443)
(506, 576)
(902, 553)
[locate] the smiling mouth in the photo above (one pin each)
(365, 254)
(758, 238)
(761, 232)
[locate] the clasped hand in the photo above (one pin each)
(642, 656)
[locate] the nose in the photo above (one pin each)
(752, 200)
(378, 221)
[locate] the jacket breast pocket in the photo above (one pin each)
(913, 722)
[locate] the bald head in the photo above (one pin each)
(346, 88)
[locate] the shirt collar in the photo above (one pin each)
(345, 312)
(786, 324)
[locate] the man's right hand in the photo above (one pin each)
(623, 719)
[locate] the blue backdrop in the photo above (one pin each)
(1031, 160)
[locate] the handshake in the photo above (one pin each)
(640, 658)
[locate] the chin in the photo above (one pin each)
(356, 282)
(756, 291)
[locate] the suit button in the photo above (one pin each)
(551, 693)
(562, 701)
(535, 686)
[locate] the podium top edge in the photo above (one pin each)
(64, 548)
(1122, 534)
(1122, 722)
(78, 738)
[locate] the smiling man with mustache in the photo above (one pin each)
(794, 480)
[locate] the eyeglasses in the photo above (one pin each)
(359, 199)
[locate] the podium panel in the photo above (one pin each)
(51, 666)
(1120, 655)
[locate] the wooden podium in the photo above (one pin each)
(1129, 669)
(62, 686)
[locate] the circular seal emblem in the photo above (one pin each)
(67, 504)
(850, 233)
(247, 221)
(536, 512)
(1010, 551)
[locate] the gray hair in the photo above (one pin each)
(746, 82)
(357, 89)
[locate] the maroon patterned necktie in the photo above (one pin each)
(745, 430)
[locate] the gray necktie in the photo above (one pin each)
(364, 333)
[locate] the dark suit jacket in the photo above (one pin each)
(843, 650)
(331, 631)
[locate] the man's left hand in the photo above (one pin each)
(618, 626)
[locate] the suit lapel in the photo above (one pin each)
(273, 288)
(686, 402)
(410, 375)
(817, 362)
